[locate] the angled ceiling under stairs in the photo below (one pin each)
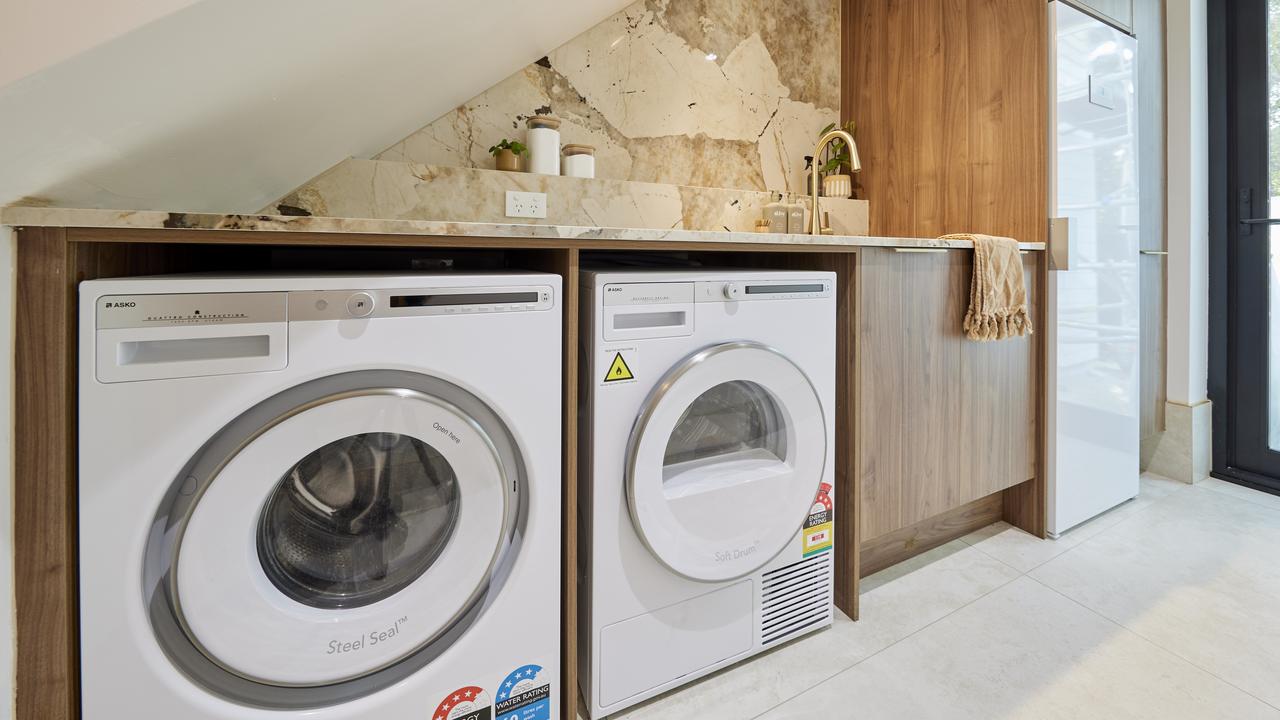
(226, 105)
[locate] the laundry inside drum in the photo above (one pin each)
(358, 519)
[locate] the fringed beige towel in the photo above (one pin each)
(998, 294)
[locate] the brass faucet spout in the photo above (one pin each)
(855, 164)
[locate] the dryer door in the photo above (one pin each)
(725, 461)
(340, 528)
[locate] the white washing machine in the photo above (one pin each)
(323, 497)
(708, 465)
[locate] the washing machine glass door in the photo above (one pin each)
(725, 461)
(344, 534)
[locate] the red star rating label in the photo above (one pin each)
(819, 527)
(465, 703)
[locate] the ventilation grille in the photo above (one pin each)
(795, 598)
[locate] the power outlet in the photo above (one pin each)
(526, 204)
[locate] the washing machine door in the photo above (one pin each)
(341, 528)
(725, 460)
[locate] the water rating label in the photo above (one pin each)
(524, 695)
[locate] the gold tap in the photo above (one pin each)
(855, 164)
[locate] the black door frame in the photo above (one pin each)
(1232, 36)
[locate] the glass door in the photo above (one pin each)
(1246, 56)
(725, 461)
(334, 538)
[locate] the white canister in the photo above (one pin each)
(544, 144)
(579, 161)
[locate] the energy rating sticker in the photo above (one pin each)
(465, 703)
(819, 525)
(524, 695)
(617, 364)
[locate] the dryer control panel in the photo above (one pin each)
(664, 309)
(666, 293)
(712, 291)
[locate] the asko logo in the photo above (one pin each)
(109, 304)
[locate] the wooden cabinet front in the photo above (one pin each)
(943, 421)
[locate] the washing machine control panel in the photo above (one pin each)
(118, 312)
(416, 302)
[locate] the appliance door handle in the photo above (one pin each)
(1261, 221)
(1154, 252)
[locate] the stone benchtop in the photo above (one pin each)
(18, 216)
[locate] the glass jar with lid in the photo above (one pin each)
(579, 161)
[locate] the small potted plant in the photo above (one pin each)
(506, 154)
(835, 183)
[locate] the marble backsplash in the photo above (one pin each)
(709, 93)
(413, 191)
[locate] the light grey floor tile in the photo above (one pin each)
(1197, 574)
(901, 601)
(1240, 491)
(1017, 549)
(1024, 651)
(1025, 552)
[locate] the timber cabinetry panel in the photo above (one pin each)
(943, 421)
(950, 98)
(44, 481)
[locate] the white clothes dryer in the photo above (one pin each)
(707, 506)
(326, 497)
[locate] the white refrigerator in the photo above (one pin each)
(1092, 316)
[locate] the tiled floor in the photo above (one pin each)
(1167, 607)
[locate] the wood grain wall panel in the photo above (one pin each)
(997, 379)
(848, 488)
(1008, 69)
(956, 108)
(935, 408)
(950, 101)
(929, 294)
(894, 547)
(47, 679)
(882, 422)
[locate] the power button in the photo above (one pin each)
(360, 304)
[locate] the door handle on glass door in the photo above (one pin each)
(1154, 252)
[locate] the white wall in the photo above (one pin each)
(227, 105)
(6, 473)
(1188, 219)
(35, 34)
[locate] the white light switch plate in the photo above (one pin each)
(526, 204)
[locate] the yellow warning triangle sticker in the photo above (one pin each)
(618, 370)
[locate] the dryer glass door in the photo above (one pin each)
(725, 461)
(340, 528)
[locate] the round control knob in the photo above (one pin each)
(732, 291)
(360, 304)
